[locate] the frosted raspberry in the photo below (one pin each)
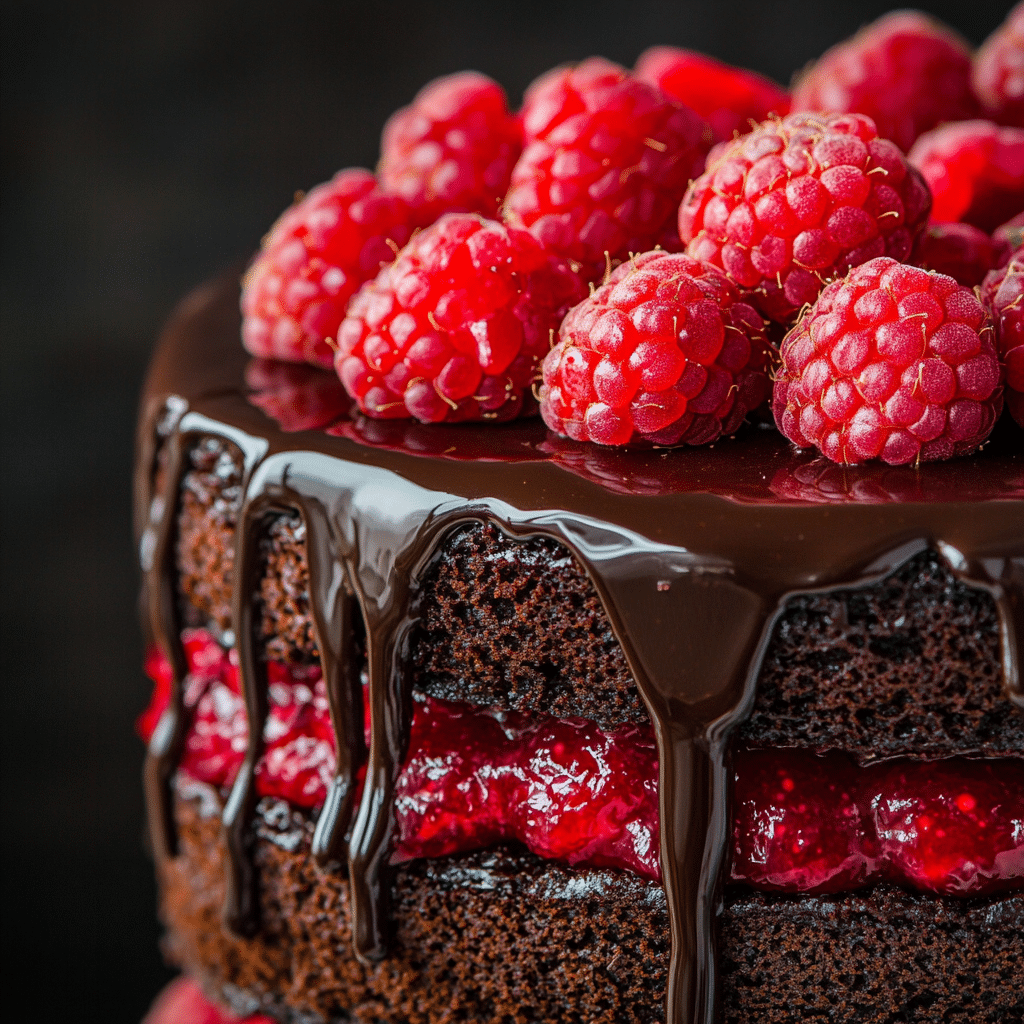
(892, 363)
(1003, 293)
(297, 397)
(906, 71)
(183, 1002)
(728, 98)
(962, 251)
(665, 352)
(1007, 239)
(797, 201)
(456, 327)
(975, 170)
(998, 76)
(313, 261)
(452, 150)
(607, 160)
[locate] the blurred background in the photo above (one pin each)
(147, 145)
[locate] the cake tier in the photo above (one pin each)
(503, 935)
(908, 666)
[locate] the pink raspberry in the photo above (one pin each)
(455, 328)
(313, 261)
(893, 363)
(975, 170)
(607, 160)
(798, 201)
(296, 397)
(906, 71)
(1003, 293)
(452, 150)
(664, 352)
(183, 1002)
(962, 251)
(1007, 239)
(998, 75)
(728, 98)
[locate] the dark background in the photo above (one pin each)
(147, 145)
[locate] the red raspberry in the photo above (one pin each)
(183, 1002)
(998, 75)
(664, 351)
(455, 328)
(297, 397)
(798, 201)
(313, 261)
(892, 363)
(1008, 238)
(452, 150)
(905, 71)
(728, 98)
(1003, 293)
(975, 170)
(962, 251)
(607, 160)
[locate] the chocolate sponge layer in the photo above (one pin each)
(909, 666)
(502, 936)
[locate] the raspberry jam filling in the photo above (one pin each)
(570, 791)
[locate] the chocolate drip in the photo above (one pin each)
(692, 578)
(164, 629)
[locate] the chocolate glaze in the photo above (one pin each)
(693, 567)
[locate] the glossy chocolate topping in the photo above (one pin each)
(692, 552)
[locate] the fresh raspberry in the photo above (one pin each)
(296, 397)
(183, 1002)
(607, 160)
(452, 150)
(962, 251)
(456, 327)
(1007, 239)
(801, 200)
(1003, 293)
(998, 75)
(728, 98)
(905, 71)
(313, 261)
(665, 352)
(975, 170)
(892, 363)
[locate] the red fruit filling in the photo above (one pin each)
(570, 791)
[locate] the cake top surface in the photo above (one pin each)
(752, 492)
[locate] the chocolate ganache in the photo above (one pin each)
(692, 552)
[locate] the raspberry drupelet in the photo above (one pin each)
(728, 98)
(798, 201)
(455, 328)
(1003, 293)
(313, 260)
(664, 352)
(606, 160)
(975, 170)
(893, 363)
(905, 71)
(452, 149)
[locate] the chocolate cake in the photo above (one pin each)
(717, 615)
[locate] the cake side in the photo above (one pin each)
(910, 666)
(502, 935)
